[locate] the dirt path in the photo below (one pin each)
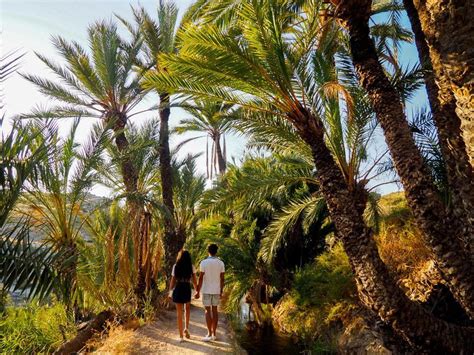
(160, 337)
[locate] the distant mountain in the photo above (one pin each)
(93, 202)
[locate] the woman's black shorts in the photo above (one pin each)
(182, 292)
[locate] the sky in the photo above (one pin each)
(28, 26)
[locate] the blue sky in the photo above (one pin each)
(28, 26)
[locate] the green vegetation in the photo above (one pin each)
(35, 329)
(323, 294)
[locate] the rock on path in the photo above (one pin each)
(160, 337)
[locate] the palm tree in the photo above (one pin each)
(282, 193)
(24, 266)
(147, 252)
(99, 84)
(432, 217)
(442, 102)
(53, 204)
(159, 37)
(213, 119)
(447, 32)
(188, 190)
(20, 158)
(268, 67)
(105, 276)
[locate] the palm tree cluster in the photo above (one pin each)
(314, 86)
(265, 57)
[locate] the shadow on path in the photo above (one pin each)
(161, 337)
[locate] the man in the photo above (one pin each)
(211, 284)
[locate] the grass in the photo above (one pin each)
(34, 329)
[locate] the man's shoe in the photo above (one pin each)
(213, 338)
(207, 338)
(180, 340)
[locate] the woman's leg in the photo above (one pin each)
(188, 314)
(179, 313)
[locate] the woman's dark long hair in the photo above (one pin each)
(184, 265)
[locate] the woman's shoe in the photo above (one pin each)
(207, 338)
(180, 340)
(186, 334)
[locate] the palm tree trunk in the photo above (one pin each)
(220, 156)
(172, 243)
(448, 28)
(430, 214)
(376, 287)
(134, 205)
(459, 171)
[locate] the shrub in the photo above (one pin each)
(329, 279)
(402, 249)
(323, 295)
(34, 329)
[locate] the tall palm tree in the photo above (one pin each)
(268, 66)
(431, 215)
(99, 83)
(460, 173)
(159, 37)
(188, 188)
(447, 31)
(213, 119)
(142, 146)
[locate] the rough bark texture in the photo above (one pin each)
(459, 171)
(134, 206)
(220, 156)
(376, 288)
(430, 214)
(172, 242)
(449, 29)
(80, 340)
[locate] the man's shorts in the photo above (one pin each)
(210, 300)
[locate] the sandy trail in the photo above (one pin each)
(160, 337)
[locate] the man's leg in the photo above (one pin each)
(215, 319)
(208, 320)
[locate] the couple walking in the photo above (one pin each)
(210, 284)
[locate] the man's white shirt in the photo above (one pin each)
(212, 267)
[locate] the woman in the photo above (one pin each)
(180, 289)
